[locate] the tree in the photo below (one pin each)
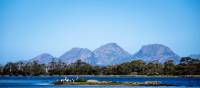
(169, 67)
(80, 68)
(188, 66)
(154, 69)
(1, 69)
(10, 69)
(138, 66)
(107, 70)
(37, 69)
(56, 67)
(122, 70)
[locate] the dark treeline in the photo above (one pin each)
(187, 66)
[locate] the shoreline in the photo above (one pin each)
(109, 83)
(104, 76)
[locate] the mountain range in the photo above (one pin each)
(111, 53)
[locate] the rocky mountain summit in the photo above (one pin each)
(156, 53)
(75, 54)
(44, 58)
(110, 54)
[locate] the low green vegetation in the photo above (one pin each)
(187, 66)
(80, 80)
(110, 83)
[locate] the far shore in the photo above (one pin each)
(103, 75)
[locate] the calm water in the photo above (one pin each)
(45, 82)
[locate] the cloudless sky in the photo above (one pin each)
(31, 27)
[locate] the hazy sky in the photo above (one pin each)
(32, 27)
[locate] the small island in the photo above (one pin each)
(81, 81)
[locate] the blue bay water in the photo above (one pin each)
(45, 82)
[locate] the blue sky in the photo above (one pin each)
(32, 27)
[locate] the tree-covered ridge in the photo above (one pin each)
(187, 66)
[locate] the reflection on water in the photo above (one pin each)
(45, 82)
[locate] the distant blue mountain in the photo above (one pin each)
(44, 58)
(75, 54)
(196, 56)
(110, 54)
(156, 53)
